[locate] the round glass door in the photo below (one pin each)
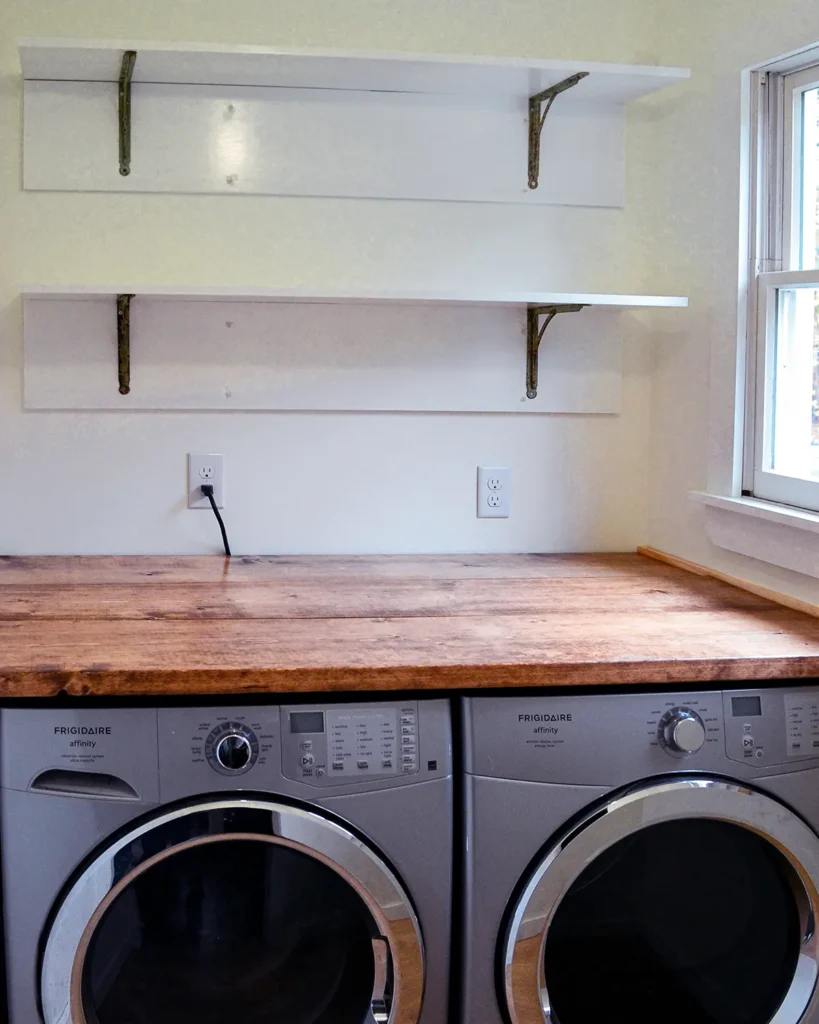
(690, 902)
(242, 910)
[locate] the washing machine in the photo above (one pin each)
(288, 863)
(649, 858)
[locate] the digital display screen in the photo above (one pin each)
(746, 707)
(307, 721)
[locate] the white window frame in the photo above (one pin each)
(775, 237)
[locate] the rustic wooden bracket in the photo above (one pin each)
(534, 335)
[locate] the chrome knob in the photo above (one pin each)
(233, 752)
(684, 732)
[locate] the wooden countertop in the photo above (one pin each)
(129, 626)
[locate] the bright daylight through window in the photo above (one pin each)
(786, 370)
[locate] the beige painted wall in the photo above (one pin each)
(693, 220)
(102, 483)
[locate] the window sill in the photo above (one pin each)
(776, 534)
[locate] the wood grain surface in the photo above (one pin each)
(139, 626)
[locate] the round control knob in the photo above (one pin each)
(683, 732)
(232, 748)
(233, 752)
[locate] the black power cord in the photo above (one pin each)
(207, 490)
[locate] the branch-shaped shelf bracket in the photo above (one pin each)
(124, 342)
(125, 75)
(537, 118)
(534, 335)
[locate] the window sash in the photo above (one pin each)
(775, 239)
(795, 87)
(767, 484)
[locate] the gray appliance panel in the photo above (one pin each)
(185, 769)
(120, 742)
(612, 739)
(62, 831)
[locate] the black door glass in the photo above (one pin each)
(237, 930)
(687, 922)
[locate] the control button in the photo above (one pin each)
(408, 759)
(407, 746)
(320, 773)
(681, 731)
(338, 766)
(407, 767)
(747, 727)
(386, 763)
(233, 752)
(306, 744)
(760, 753)
(748, 742)
(407, 719)
(408, 730)
(306, 759)
(231, 748)
(363, 765)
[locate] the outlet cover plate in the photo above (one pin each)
(494, 498)
(205, 468)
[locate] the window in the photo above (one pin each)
(782, 450)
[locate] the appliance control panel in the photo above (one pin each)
(768, 727)
(602, 738)
(343, 743)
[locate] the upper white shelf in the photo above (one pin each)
(363, 296)
(77, 60)
(246, 120)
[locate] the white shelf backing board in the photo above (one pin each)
(384, 352)
(189, 139)
(209, 120)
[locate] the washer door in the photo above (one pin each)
(241, 909)
(688, 900)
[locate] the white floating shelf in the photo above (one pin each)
(78, 60)
(248, 120)
(324, 349)
(362, 296)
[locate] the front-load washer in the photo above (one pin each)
(642, 858)
(256, 864)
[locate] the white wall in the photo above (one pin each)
(110, 482)
(693, 219)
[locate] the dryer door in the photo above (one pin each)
(234, 909)
(687, 900)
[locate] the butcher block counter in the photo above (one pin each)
(170, 626)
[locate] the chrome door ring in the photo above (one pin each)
(305, 831)
(691, 797)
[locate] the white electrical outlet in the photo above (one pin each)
(205, 468)
(493, 492)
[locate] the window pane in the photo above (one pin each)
(809, 242)
(795, 421)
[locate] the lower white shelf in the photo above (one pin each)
(294, 349)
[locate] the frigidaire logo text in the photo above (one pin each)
(82, 730)
(544, 718)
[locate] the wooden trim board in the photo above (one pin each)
(753, 588)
